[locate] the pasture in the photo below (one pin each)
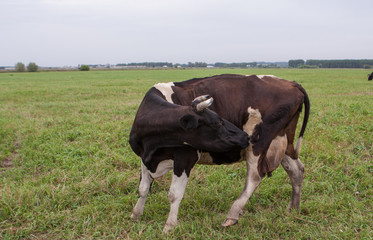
(67, 171)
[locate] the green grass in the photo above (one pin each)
(67, 170)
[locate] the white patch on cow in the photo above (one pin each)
(276, 150)
(255, 118)
(166, 90)
(175, 196)
(162, 168)
(262, 76)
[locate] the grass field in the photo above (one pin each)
(67, 171)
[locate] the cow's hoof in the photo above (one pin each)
(167, 228)
(229, 222)
(134, 217)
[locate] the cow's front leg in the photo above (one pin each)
(146, 180)
(175, 196)
(184, 160)
(252, 181)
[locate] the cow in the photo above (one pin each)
(178, 125)
(370, 76)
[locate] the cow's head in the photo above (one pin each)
(206, 130)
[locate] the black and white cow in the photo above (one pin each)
(178, 125)
(370, 76)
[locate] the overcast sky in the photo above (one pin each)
(72, 32)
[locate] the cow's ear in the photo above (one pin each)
(189, 122)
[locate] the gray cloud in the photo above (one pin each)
(71, 32)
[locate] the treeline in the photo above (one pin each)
(235, 65)
(161, 64)
(251, 65)
(347, 63)
(203, 65)
(146, 64)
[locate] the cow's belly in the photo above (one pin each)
(205, 158)
(275, 153)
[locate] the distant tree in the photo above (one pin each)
(20, 67)
(296, 63)
(32, 67)
(84, 68)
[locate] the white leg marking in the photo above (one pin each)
(295, 170)
(144, 187)
(252, 181)
(175, 196)
(166, 90)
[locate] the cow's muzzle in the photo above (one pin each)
(244, 141)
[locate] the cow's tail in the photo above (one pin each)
(306, 102)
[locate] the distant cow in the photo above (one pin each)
(178, 125)
(370, 76)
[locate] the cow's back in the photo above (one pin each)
(234, 94)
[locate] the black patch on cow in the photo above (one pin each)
(226, 157)
(184, 160)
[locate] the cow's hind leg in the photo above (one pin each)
(252, 182)
(146, 180)
(295, 171)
